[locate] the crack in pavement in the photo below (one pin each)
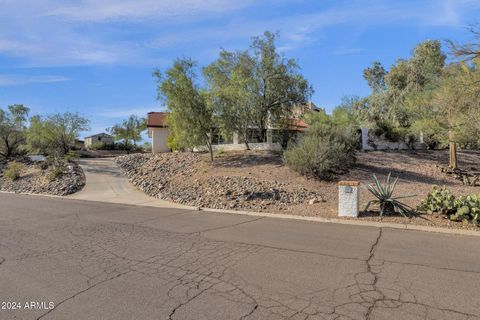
(375, 275)
(192, 267)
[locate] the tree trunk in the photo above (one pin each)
(453, 152)
(246, 141)
(211, 151)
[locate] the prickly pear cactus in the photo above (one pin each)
(440, 201)
(467, 209)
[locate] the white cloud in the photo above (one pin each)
(105, 10)
(12, 80)
(124, 112)
(129, 32)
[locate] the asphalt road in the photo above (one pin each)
(97, 260)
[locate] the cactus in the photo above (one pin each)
(385, 200)
(467, 209)
(440, 201)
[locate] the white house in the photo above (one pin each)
(98, 138)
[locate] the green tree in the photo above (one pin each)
(129, 131)
(256, 88)
(55, 134)
(191, 117)
(12, 129)
(389, 108)
(280, 86)
(451, 102)
(231, 80)
(375, 76)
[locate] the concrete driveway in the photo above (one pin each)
(105, 182)
(94, 260)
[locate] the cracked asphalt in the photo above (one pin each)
(99, 260)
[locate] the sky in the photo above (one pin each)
(96, 57)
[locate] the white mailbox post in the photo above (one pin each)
(348, 198)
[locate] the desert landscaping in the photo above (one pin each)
(259, 181)
(37, 178)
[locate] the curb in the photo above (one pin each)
(376, 224)
(288, 216)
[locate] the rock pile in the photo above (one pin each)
(174, 177)
(35, 180)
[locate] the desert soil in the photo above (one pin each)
(34, 180)
(259, 181)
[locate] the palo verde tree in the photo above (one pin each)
(191, 117)
(446, 101)
(55, 134)
(279, 84)
(232, 87)
(12, 129)
(129, 131)
(256, 88)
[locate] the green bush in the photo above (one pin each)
(391, 132)
(70, 156)
(323, 151)
(102, 146)
(55, 172)
(440, 200)
(14, 170)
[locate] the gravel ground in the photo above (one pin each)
(258, 181)
(34, 180)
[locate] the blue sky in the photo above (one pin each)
(96, 57)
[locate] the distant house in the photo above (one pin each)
(276, 138)
(79, 144)
(158, 131)
(98, 138)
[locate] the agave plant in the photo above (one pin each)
(384, 198)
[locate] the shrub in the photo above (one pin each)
(102, 146)
(384, 198)
(70, 156)
(391, 132)
(322, 151)
(440, 200)
(14, 170)
(56, 171)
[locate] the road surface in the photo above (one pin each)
(78, 260)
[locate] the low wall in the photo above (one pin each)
(241, 146)
(372, 142)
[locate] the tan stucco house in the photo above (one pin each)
(158, 131)
(98, 138)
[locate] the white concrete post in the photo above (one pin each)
(348, 198)
(365, 145)
(269, 136)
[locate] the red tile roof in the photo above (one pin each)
(157, 119)
(299, 125)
